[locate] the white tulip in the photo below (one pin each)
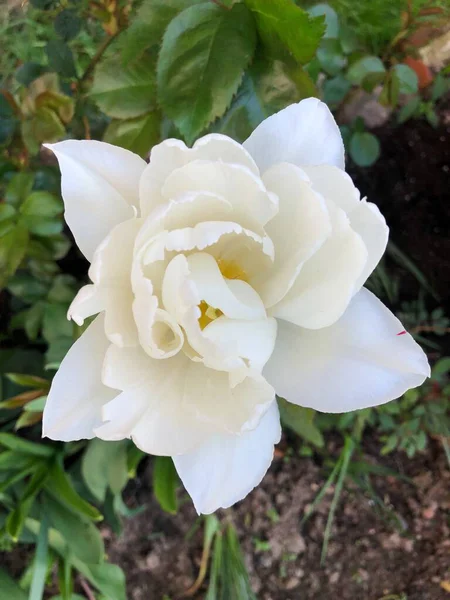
(224, 274)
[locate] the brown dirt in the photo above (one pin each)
(368, 558)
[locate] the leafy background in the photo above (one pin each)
(134, 73)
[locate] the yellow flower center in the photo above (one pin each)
(230, 270)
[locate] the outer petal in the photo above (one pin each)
(297, 231)
(226, 468)
(303, 134)
(149, 409)
(100, 188)
(75, 400)
(365, 359)
(326, 282)
(111, 273)
(365, 217)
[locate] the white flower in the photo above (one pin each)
(224, 274)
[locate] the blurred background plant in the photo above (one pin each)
(126, 72)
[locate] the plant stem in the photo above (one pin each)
(98, 55)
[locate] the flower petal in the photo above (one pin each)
(364, 359)
(365, 217)
(225, 468)
(252, 204)
(149, 409)
(297, 231)
(111, 273)
(77, 394)
(302, 134)
(326, 282)
(99, 184)
(172, 154)
(253, 340)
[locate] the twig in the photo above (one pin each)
(91, 66)
(86, 589)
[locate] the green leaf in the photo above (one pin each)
(301, 420)
(364, 148)
(82, 537)
(13, 246)
(7, 120)
(285, 27)
(16, 519)
(68, 24)
(104, 465)
(27, 288)
(331, 57)
(42, 4)
(407, 78)
(268, 87)
(37, 405)
(40, 562)
(19, 188)
(108, 578)
(60, 58)
(9, 587)
(335, 90)
(441, 85)
(37, 383)
(39, 211)
(165, 483)
(61, 486)
(149, 24)
(125, 92)
(44, 126)
(29, 71)
(11, 460)
(363, 67)
(331, 19)
(55, 324)
(204, 53)
(138, 135)
(14, 442)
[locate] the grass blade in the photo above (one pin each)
(344, 462)
(40, 561)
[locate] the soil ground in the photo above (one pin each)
(373, 554)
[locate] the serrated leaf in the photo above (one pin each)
(165, 482)
(204, 54)
(137, 135)
(125, 92)
(149, 24)
(283, 26)
(268, 86)
(331, 19)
